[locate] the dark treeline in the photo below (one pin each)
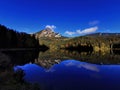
(10, 38)
(21, 57)
(80, 48)
(116, 46)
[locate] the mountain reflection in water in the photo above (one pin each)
(73, 75)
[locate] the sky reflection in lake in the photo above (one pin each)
(74, 75)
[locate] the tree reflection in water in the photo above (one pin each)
(47, 60)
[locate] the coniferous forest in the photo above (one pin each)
(10, 38)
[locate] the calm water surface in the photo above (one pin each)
(73, 75)
(64, 70)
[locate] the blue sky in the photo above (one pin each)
(68, 17)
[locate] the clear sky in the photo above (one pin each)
(68, 17)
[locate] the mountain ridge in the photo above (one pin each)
(103, 34)
(47, 33)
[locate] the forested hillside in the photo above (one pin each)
(96, 42)
(10, 38)
(89, 42)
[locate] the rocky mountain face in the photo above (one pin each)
(47, 33)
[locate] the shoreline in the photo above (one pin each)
(19, 49)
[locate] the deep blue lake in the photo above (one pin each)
(73, 75)
(65, 70)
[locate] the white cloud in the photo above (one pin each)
(81, 32)
(92, 23)
(50, 27)
(69, 33)
(70, 63)
(89, 67)
(87, 30)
